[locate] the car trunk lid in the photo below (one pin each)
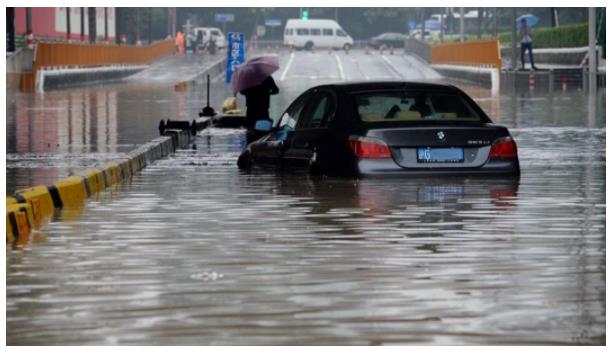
(440, 146)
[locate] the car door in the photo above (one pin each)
(269, 149)
(312, 139)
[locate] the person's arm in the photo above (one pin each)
(273, 89)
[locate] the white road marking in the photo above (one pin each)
(392, 68)
(287, 66)
(340, 66)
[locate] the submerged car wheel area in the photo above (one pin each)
(384, 129)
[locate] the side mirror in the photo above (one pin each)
(263, 125)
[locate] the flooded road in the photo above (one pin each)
(192, 251)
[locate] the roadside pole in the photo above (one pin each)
(513, 40)
(68, 29)
(10, 29)
(592, 95)
(592, 52)
(461, 24)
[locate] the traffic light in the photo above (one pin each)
(305, 14)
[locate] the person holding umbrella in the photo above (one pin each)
(253, 80)
(526, 43)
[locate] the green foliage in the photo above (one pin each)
(574, 35)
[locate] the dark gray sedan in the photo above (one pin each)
(387, 40)
(384, 128)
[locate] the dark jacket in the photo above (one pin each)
(257, 100)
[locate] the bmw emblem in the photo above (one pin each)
(441, 136)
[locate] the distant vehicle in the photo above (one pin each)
(384, 128)
(216, 34)
(386, 40)
(429, 35)
(305, 34)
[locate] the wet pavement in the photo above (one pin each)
(192, 251)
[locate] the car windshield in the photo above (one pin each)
(413, 106)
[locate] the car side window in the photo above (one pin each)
(289, 119)
(319, 112)
(327, 32)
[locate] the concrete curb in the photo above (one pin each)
(32, 208)
(488, 77)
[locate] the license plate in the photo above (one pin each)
(440, 155)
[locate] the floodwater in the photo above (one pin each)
(193, 251)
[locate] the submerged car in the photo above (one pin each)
(384, 128)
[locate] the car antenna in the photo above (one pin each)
(207, 111)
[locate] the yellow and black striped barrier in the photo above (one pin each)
(31, 208)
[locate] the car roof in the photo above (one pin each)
(351, 87)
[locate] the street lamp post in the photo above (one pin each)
(92, 12)
(105, 24)
(592, 52)
(513, 38)
(68, 23)
(82, 24)
(442, 33)
(461, 24)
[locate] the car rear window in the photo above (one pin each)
(411, 106)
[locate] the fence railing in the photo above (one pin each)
(56, 55)
(480, 53)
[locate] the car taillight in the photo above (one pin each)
(503, 148)
(364, 147)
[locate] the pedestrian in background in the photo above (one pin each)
(180, 42)
(526, 44)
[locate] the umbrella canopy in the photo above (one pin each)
(253, 72)
(530, 19)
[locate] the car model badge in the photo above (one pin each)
(440, 135)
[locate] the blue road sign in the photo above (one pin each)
(224, 17)
(273, 22)
(236, 53)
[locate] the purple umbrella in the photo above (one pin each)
(253, 72)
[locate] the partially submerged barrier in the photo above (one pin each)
(33, 207)
(69, 55)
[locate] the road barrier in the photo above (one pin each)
(480, 53)
(31, 208)
(69, 55)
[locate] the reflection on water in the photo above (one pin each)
(194, 251)
(54, 134)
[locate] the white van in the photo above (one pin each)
(300, 33)
(216, 34)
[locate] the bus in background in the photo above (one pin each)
(305, 34)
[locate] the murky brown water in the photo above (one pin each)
(191, 251)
